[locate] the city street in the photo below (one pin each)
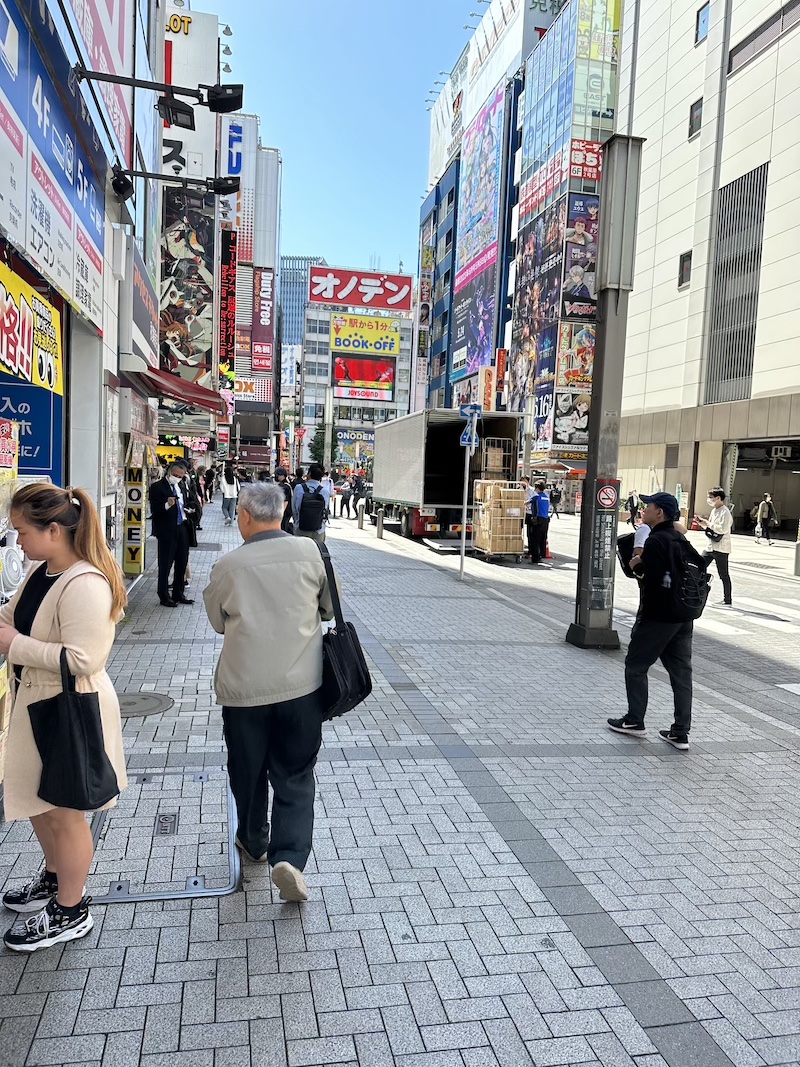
(496, 879)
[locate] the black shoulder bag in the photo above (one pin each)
(76, 772)
(345, 676)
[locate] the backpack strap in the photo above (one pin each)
(337, 606)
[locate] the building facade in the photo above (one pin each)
(712, 379)
(294, 291)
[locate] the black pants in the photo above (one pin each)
(671, 642)
(537, 537)
(721, 559)
(277, 745)
(173, 550)
(345, 505)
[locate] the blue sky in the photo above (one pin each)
(340, 86)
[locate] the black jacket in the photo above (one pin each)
(657, 599)
(165, 520)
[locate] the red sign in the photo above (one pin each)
(227, 305)
(263, 333)
(502, 360)
(8, 446)
(586, 161)
(359, 288)
(363, 379)
(223, 435)
(300, 433)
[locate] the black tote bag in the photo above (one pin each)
(346, 680)
(76, 772)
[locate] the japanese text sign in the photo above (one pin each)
(30, 334)
(227, 296)
(263, 334)
(586, 161)
(8, 445)
(363, 379)
(365, 333)
(359, 288)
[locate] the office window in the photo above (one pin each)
(701, 25)
(685, 269)
(695, 117)
(308, 411)
(324, 326)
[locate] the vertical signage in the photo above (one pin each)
(134, 526)
(227, 302)
(263, 336)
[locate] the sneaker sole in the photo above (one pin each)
(682, 746)
(627, 732)
(30, 907)
(290, 884)
(74, 934)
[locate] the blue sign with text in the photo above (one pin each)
(40, 414)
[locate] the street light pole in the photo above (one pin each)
(619, 201)
(328, 446)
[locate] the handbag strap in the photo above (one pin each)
(67, 679)
(337, 606)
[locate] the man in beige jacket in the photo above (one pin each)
(269, 598)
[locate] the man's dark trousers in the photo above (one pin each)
(173, 549)
(541, 530)
(277, 745)
(671, 642)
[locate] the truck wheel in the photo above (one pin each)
(405, 524)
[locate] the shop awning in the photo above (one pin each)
(177, 388)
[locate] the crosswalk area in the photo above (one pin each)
(748, 615)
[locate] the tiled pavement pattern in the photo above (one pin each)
(496, 880)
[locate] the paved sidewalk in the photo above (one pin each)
(496, 879)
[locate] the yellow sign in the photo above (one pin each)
(134, 533)
(30, 334)
(171, 453)
(373, 335)
(179, 23)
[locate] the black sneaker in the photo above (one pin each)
(680, 741)
(51, 926)
(34, 895)
(624, 726)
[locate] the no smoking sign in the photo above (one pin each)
(608, 496)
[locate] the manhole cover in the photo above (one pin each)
(135, 704)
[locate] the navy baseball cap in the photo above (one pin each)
(665, 501)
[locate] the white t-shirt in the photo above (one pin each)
(721, 521)
(641, 535)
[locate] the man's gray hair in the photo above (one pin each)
(265, 501)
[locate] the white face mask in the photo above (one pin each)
(712, 501)
(173, 480)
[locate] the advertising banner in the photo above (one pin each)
(134, 527)
(223, 441)
(106, 29)
(227, 295)
(40, 416)
(30, 335)
(571, 420)
(254, 390)
(187, 287)
(580, 257)
(575, 360)
(191, 50)
(290, 357)
(473, 320)
(447, 120)
(375, 335)
(359, 288)
(145, 312)
(51, 202)
(263, 334)
(586, 161)
(239, 140)
(354, 446)
(363, 378)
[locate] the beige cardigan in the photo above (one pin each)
(75, 615)
(269, 597)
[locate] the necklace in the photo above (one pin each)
(47, 574)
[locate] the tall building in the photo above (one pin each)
(712, 378)
(293, 292)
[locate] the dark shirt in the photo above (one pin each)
(656, 561)
(30, 600)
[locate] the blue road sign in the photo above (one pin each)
(467, 410)
(468, 438)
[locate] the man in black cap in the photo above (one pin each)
(658, 633)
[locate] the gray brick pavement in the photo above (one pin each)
(496, 880)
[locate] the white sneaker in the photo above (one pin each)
(289, 881)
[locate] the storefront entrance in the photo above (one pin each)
(768, 467)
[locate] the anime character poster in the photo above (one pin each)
(571, 411)
(479, 190)
(579, 291)
(473, 323)
(187, 287)
(575, 362)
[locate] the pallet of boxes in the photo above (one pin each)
(499, 519)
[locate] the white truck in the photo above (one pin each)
(418, 469)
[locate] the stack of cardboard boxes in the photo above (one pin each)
(499, 518)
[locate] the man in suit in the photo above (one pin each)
(171, 530)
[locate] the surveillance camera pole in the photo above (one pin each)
(593, 626)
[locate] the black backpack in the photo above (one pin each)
(313, 510)
(691, 582)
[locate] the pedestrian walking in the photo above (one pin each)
(69, 603)
(311, 504)
(281, 479)
(171, 530)
(673, 593)
(632, 506)
(766, 519)
(556, 496)
(269, 598)
(298, 477)
(347, 496)
(230, 491)
(717, 529)
(208, 479)
(540, 523)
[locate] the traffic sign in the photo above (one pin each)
(607, 496)
(468, 438)
(468, 410)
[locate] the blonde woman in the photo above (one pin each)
(70, 601)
